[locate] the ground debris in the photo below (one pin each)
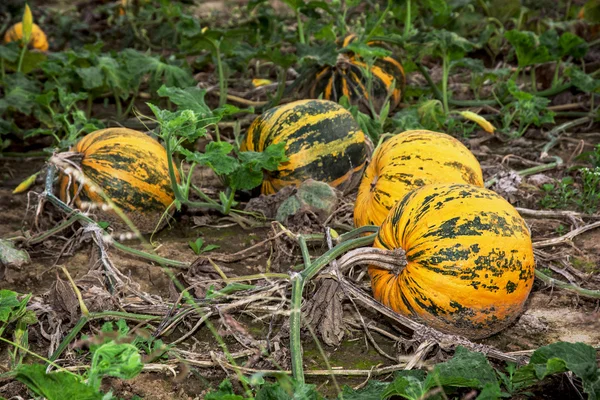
(325, 314)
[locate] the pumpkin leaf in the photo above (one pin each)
(191, 98)
(9, 52)
(55, 385)
(466, 369)
(91, 77)
(224, 392)
(121, 360)
(578, 358)
(268, 159)
(373, 390)
(324, 54)
(583, 81)
(250, 172)
(442, 43)
(215, 156)
(528, 48)
(366, 51)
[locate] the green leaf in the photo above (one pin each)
(366, 51)
(559, 357)
(528, 48)
(324, 54)
(210, 247)
(19, 94)
(224, 392)
(245, 178)
(288, 390)
(121, 360)
(196, 245)
(91, 77)
(9, 52)
(215, 156)
(191, 98)
(56, 385)
(373, 390)
(530, 109)
(466, 369)
(8, 303)
(583, 81)
(473, 65)
(406, 386)
(572, 45)
(443, 43)
(268, 159)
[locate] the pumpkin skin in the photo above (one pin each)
(38, 37)
(409, 160)
(323, 142)
(470, 260)
(346, 78)
(131, 168)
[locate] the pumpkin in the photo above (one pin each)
(409, 160)
(470, 259)
(38, 37)
(323, 142)
(131, 168)
(347, 78)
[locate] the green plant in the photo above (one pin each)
(560, 194)
(199, 248)
(241, 171)
(583, 193)
(589, 199)
(527, 109)
(451, 48)
(14, 314)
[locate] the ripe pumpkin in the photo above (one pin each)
(470, 259)
(323, 142)
(131, 169)
(347, 78)
(38, 37)
(409, 160)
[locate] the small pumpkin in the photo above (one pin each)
(347, 78)
(323, 142)
(38, 37)
(407, 161)
(470, 259)
(131, 168)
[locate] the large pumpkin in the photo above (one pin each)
(470, 259)
(131, 169)
(38, 37)
(409, 160)
(347, 78)
(323, 142)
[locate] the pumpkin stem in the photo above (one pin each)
(391, 260)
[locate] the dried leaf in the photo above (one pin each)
(26, 184)
(479, 120)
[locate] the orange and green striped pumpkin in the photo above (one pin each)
(347, 78)
(323, 142)
(38, 37)
(130, 168)
(407, 161)
(470, 259)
